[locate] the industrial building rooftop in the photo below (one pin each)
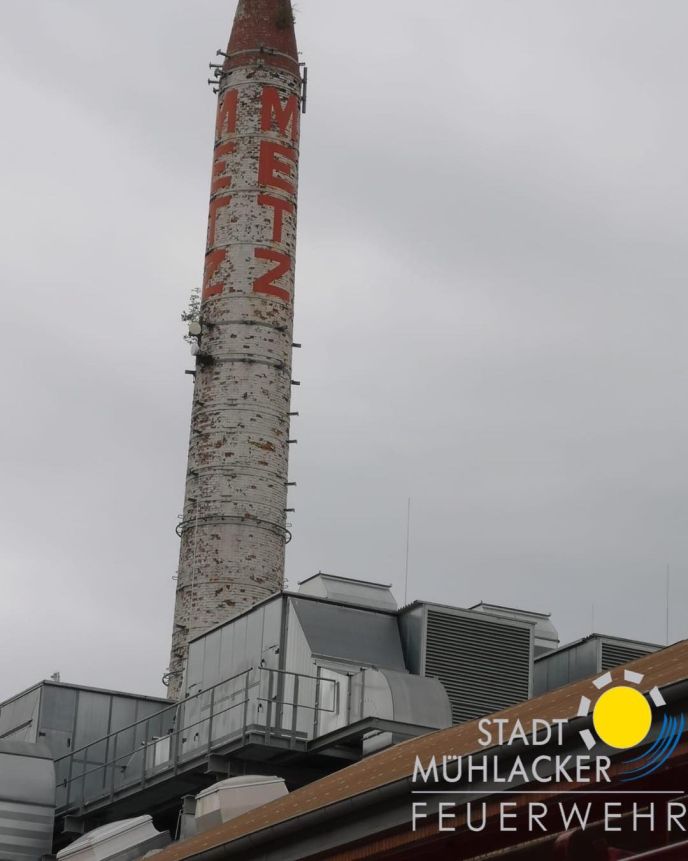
(339, 798)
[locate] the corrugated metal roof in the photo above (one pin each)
(660, 669)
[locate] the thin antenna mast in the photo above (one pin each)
(668, 598)
(408, 533)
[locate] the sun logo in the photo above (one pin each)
(622, 718)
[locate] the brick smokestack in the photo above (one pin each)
(233, 531)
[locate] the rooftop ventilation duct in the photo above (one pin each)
(546, 636)
(484, 661)
(587, 657)
(127, 840)
(415, 704)
(67, 718)
(27, 801)
(233, 797)
(347, 591)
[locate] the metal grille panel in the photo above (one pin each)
(485, 666)
(615, 655)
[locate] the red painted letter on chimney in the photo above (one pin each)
(220, 166)
(274, 114)
(213, 261)
(227, 115)
(276, 166)
(280, 206)
(265, 284)
(215, 206)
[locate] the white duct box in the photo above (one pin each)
(230, 798)
(127, 840)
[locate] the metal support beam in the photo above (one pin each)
(74, 825)
(218, 766)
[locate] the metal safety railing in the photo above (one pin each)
(280, 706)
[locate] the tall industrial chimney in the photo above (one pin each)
(233, 531)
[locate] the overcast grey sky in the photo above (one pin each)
(491, 295)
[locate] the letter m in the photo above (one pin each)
(275, 114)
(227, 112)
(425, 774)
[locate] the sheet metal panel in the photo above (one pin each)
(68, 717)
(299, 659)
(19, 716)
(336, 708)
(218, 659)
(418, 701)
(584, 658)
(559, 668)
(361, 637)
(344, 590)
(27, 801)
(237, 646)
(412, 630)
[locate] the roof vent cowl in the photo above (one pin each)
(233, 797)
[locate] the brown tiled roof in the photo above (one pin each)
(660, 669)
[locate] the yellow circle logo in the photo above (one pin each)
(622, 717)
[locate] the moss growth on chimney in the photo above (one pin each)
(285, 16)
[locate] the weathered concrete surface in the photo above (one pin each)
(233, 531)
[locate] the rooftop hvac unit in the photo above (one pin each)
(584, 658)
(127, 840)
(67, 718)
(483, 660)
